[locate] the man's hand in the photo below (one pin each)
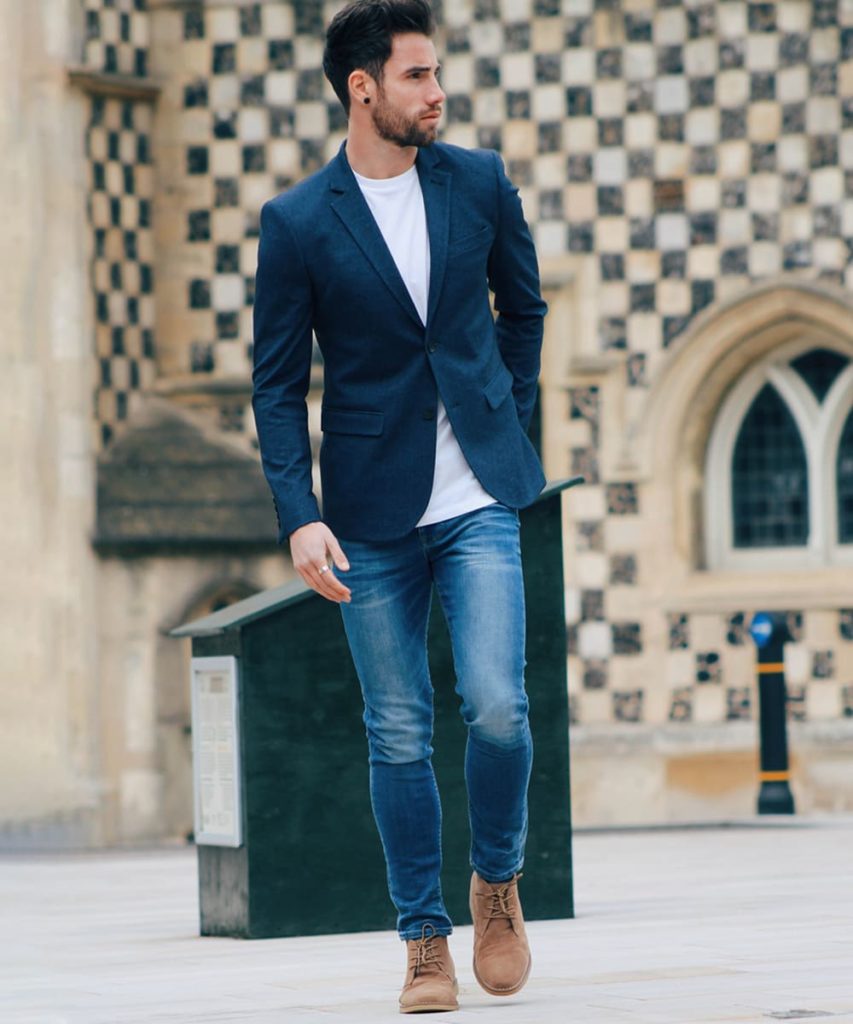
(310, 547)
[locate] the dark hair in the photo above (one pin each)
(360, 36)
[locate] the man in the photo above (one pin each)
(388, 255)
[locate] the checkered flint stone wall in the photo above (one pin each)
(687, 149)
(120, 205)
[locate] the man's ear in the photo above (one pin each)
(361, 87)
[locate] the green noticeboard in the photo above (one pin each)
(303, 856)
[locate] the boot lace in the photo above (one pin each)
(501, 900)
(424, 952)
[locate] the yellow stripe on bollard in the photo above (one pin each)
(774, 776)
(771, 668)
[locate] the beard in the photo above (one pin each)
(393, 125)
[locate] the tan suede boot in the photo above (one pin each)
(430, 983)
(501, 954)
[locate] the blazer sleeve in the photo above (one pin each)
(281, 375)
(514, 279)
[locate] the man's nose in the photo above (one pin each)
(436, 95)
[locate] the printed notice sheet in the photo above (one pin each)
(216, 752)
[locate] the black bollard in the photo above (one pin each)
(770, 632)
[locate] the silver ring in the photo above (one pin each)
(322, 569)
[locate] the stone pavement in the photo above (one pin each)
(747, 923)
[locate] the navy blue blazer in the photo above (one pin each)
(323, 266)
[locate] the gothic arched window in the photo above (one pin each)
(770, 480)
(779, 471)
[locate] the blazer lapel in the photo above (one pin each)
(352, 209)
(435, 186)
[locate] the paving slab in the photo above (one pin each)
(748, 923)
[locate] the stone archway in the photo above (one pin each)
(667, 444)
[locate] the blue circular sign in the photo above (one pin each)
(761, 629)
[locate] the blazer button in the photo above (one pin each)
(428, 414)
(432, 346)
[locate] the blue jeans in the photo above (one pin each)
(474, 561)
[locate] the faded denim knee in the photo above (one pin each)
(500, 723)
(397, 736)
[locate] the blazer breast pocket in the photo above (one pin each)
(473, 240)
(361, 422)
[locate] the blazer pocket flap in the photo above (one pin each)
(470, 241)
(498, 387)
(351, 421)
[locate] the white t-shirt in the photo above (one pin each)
(397, 205)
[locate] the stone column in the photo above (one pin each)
(48, 680)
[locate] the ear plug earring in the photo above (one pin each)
(366, 100)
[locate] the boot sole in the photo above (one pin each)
(504, 991)
(430, 1008)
